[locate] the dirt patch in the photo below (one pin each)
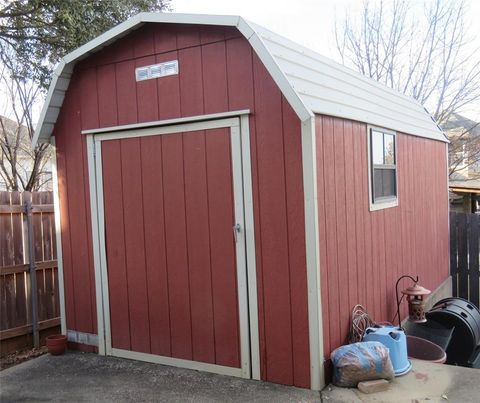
(21, 356)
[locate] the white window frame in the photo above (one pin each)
(384, 203)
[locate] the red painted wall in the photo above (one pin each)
(218, 73)
(362, 253)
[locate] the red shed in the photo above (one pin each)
(226, 196)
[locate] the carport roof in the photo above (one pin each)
(312, 83)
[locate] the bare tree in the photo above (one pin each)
(424, 55)
(21, 166)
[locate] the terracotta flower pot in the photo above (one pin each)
(56, 344)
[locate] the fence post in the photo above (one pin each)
(32, 271)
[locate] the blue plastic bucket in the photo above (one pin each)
(395, 340)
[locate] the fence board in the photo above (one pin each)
(453, 252)
(473, 258)
(464, 255)
(15, 293)
(462, 235)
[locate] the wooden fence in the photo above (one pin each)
(29, 305)
(464, 255)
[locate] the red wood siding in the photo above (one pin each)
(218, 73)
(362, 253)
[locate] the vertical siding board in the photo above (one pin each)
(177, 255)
(144, 41)
(331, 231)
(324, 272)
(91, 272)
(115, 244)
(209, 34)
(402, 199)
(350, 203)
(126, 92)
(340, 206)
(191, 87)
(222, 248)
(271, 181)
(368, 220)
(390, 262)
(168, 90)
(124, 49)
(68, 282)
(214, 69)
(165, 38)
(147, 96)
(198, 240)
(155, 253)
(106, 93)
(131, 174)
(89, 119)
(188, 36)
(88, 98)
(296, 245)
(359, 207)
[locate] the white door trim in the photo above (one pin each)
(168, 122)
(245, 247)
(250, 247)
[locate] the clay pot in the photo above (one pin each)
(423, 349)
(56, 344)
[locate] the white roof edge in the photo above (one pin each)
(249, 30)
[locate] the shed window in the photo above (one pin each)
(383, 168)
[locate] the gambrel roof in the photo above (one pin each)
(312, 83)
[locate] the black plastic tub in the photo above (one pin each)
(465, 318)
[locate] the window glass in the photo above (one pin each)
(389, 151)
(384, 183)
(377, 148)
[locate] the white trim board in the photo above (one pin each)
(245, 247)
(303, 76)
(178, 362)
(315, 323)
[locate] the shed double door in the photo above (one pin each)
(174, 247)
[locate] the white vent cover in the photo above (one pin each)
(156, 70)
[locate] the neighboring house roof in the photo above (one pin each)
(457, 123)
(312, 83)
(9, 130)
(469, 186)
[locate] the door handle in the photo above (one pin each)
(236, 230)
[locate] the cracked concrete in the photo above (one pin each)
(426, 382)
(79, 377)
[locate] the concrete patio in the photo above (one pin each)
(78, 377)
(426, 382)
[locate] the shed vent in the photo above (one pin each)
(156, 70)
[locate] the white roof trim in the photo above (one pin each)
(310, 82)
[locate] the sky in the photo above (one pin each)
(308, 22)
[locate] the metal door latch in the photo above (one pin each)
(236, 230)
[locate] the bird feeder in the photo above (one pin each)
(416, 302)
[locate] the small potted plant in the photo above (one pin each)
(56, 344)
